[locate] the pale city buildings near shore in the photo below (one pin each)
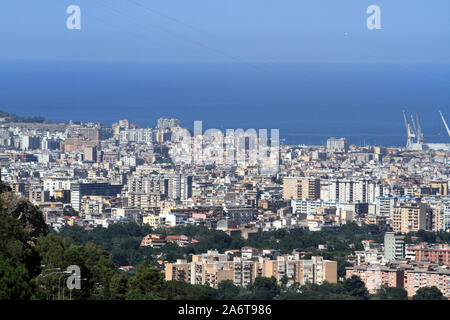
(123, 173)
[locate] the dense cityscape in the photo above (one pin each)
(338, 216)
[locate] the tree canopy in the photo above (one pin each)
(428, 293)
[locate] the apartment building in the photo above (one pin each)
(337, 144)
(403, 274)
(354, 190)
(427, 274)
(153, 220)
(376, 276)
(211, 268)
(130, 214)
(295, 188)
(315, 270)
(145, 201)
(394, 246)
(410, 216)
(440, 256)
(78, 190)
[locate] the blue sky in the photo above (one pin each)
(250, 31)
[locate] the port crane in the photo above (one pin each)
(409, 131)
(445, 123)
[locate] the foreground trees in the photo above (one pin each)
(390, 293)
(428, 293)
(19, 261)
(33, 262)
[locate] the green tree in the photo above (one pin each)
(96, 266)
(68, 210)
(147, 284)
(226, 290)
(284, 282)
(15, 282)
(15, 244)
(356, 287)
(178, 290)
(264, 289)
(51, 248)
(428, 293)
(342, 264)
(390, 293)
(29, 215)
(119, 286)
(314, 291)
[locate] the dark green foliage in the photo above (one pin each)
(341, 265)
(428, 236)
(24, 211)
(52, 249)
(390, 293)
(15, 245)
(356, 287)
(14, 118)
(123, 240)
(69, 211)
(428, 293)
(95, 264)
(262, 289)
(15, 281)
(19, 261)
(226, 290)
(324, 291)
(340, 243)
(147, 284)
(119, 286)
(176, 290)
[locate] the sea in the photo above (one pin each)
(307, 103)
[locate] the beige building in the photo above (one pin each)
(144, 201)
(212, 268)
(153, 220)
(315, 270)
(409, 217)
(442, 187)
(295, 188)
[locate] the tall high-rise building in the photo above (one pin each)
(290, 188)
(394, 246)
(173, 186)
(385, 206)
(301, 188)
(178, 186)
(30, 142)
(78, 190)
(90, 154)
(360, 190)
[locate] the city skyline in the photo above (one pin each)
(238, 154)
